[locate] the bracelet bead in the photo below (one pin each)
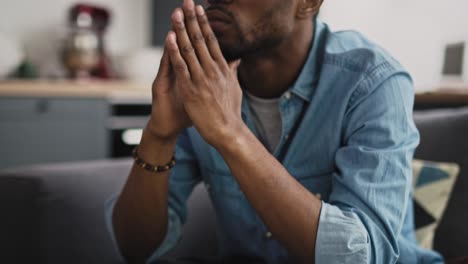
(152, 168)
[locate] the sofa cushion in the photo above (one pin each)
(444, 138)
(433, 183)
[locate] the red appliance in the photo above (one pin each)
(95, 19)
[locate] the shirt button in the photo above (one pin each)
(287, 136)
(319, 196)
(287, 95)
(268, 234)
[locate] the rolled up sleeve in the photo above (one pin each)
(363, 217)
(342, 235)
(183, 178)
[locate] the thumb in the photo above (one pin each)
(161, 82)
(164, 65)
(234, 65)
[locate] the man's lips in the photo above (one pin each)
(218, 16)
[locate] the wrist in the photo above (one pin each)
(156, 134)
(156, 150)
(150, 137)
(231, 136)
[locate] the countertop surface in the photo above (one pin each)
(443, 96)
(111, 90)
(131, 91)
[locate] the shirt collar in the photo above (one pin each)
(304, 86)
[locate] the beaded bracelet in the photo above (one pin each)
(152, 168)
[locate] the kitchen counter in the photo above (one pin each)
(125, 91)
(110, 90)
(61, 121)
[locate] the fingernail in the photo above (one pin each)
(171, 37)
(189, 4)
(235, 64)
(200, 10)
(178, 16)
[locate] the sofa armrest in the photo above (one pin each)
(54, 213)
(444, 137)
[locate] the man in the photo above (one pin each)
(308, 138)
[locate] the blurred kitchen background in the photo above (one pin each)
(43, 29)
(416, 32)
(76, 75)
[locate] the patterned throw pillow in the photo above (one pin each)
(433, 183)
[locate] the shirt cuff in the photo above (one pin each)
(172, 235)
(341, 237)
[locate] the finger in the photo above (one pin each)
(234, 65)
(164, 65)
(178, 63)
(164, 71)
(184, 44)
(210, 38)
(195, 34)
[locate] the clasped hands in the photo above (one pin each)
(195, 84)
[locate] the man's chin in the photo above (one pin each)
(231, 57)
(231, 54)
(229, 47)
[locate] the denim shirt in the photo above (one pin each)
(347, 136)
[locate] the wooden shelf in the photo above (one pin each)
(442, 98)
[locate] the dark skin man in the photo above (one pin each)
(262, 44)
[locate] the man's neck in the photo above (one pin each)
(271, 73)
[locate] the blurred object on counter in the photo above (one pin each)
(140, 66)
(26, 70)
(84, 52)
(81, 53)
(455, 67)
(11, 56)
(43, 50)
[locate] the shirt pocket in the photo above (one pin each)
(231, 205)
(219, 180)
(237, 218)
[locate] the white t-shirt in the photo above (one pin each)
(267, 119)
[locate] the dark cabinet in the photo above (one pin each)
(43, 130)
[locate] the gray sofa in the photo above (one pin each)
(54, 213)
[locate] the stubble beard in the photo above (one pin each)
(263, 36)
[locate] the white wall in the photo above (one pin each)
(414, 31)
(39, 24)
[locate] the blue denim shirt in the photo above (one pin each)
(348, 136)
